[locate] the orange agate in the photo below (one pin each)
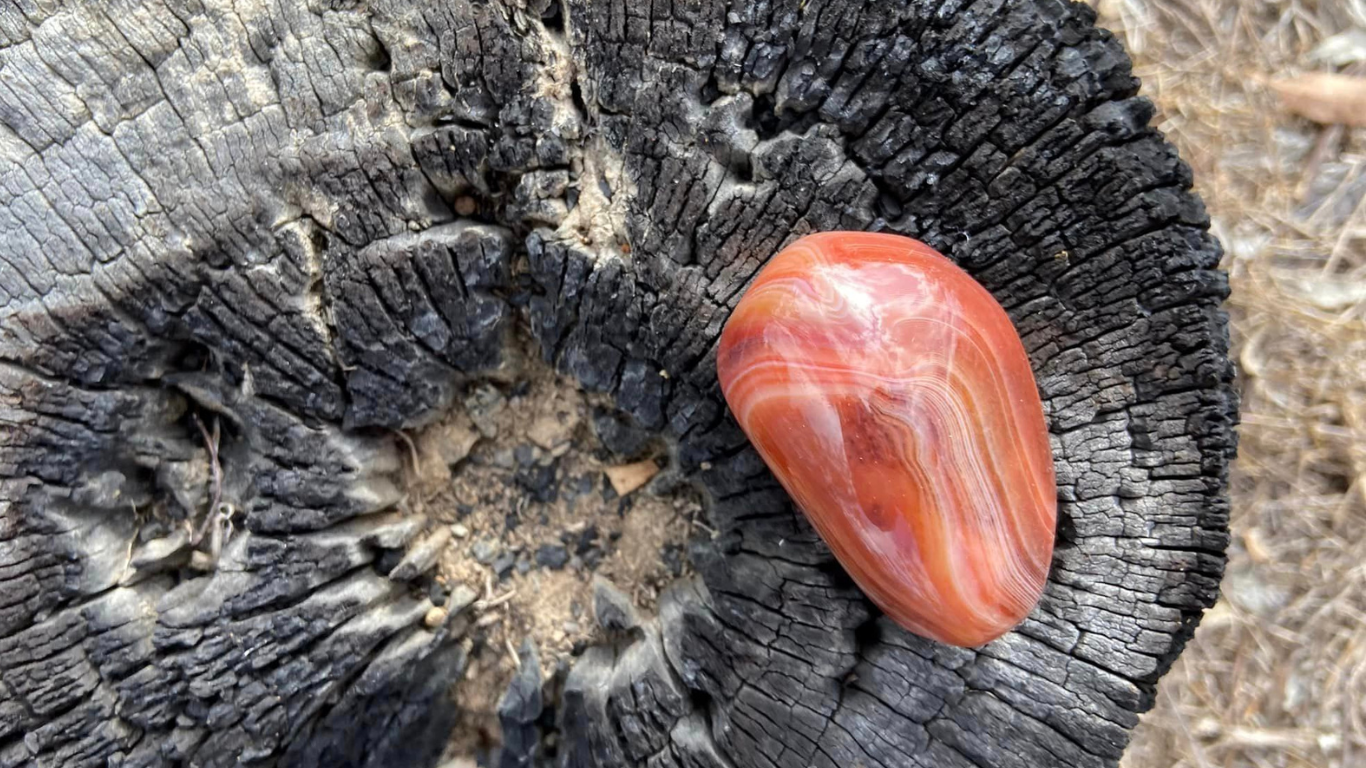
(890, 394)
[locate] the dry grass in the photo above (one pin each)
(1276, 675)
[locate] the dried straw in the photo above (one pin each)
(1276, 675)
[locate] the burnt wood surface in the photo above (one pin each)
(318, 220)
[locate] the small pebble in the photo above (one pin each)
(525, 454)
(434, 618)
(523, 565)
(483, 405)
(592, 558)
(539, 481)
(521, 388)
(511, 521)
(459, 531)
(484, 551)
(575, 609)
(463, 510)
(571, 627)
(504, 459)
(553, 556)
(502, 565)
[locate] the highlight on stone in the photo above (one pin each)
(891, 396)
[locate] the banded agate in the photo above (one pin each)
(891, 396)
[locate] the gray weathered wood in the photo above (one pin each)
(315, 219)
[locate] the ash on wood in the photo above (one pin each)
(315, 223)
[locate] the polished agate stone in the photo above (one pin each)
(891, 396)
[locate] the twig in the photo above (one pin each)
(216, 486)
(1324, 145)
(412, 448)
(1344, 236)
(490, 604)
(1196, 751)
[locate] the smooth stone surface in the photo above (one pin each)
(890, 394)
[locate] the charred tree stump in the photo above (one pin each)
(313, 222)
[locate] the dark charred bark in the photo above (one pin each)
(317, 221)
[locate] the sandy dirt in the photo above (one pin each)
(517, 474)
